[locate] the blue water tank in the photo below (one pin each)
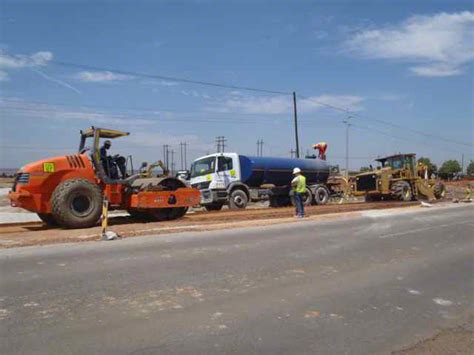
(256, 171)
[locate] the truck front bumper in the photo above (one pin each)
(215, 195)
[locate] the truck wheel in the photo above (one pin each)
(238, 200)
(321, 195)
(48, 219)
(401, 190)
(439, 190)
(213, 207)
(307, 198)
(77, 204)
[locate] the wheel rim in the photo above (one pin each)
(406, 193)
(321, 195)
(239, 201)
(81, 205)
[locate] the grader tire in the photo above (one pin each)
(48, 219)
(439, 190)
(401, 190)
(77, 203)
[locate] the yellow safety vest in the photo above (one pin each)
(301, 185)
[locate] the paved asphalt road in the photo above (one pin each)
(360, 285)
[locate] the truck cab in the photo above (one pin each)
(213, 175)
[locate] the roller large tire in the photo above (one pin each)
(439, 190)
(138, 215)
(238, 200)
(178, 212)
(77, 204)
(159, 214)
(48, 219)
(401, 190)
(213, 207)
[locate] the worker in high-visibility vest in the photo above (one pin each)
(299, 189)
(321, 147)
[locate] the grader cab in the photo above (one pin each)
(69, 190)
(398, 177)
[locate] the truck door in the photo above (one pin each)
(225, 170)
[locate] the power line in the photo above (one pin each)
(274, 92)
(352, 113)
(169, 78)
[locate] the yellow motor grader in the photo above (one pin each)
(398, 177)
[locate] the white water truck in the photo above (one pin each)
(236, 179)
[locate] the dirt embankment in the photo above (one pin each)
(38, 234)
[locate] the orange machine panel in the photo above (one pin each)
(36, 182)
(182, 197)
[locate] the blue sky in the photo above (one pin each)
(403, 62)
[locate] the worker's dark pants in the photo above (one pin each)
(299, 204)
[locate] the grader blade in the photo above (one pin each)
(425, 189)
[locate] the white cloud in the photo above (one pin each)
(284, 104)
(101, 76)
(8, 61)
(436, 70)
(195, 93)
(437, 45)
(18, 107)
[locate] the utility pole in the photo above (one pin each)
(220, 144)
(172, 162)
(260, 148)
(165, 155)
(295, 111)
(462, 163)
(185, 155)
(181, 154)
(347, 123)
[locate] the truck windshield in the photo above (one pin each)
(203, 166)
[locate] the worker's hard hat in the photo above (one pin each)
(296, 171)
(108, 143)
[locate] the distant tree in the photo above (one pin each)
(449, 169)
(470, 168)
(364, 169)
(432, 168)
